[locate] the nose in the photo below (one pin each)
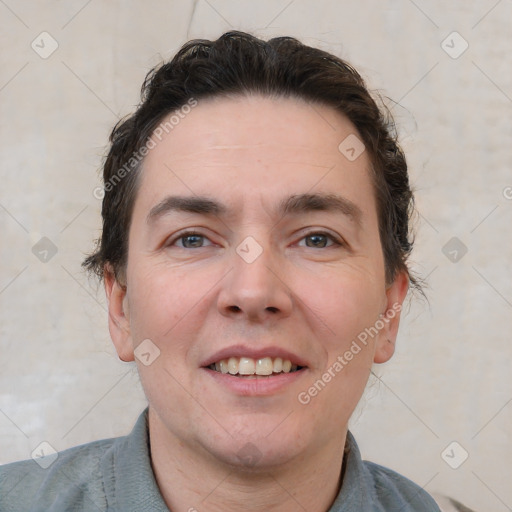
(255, 289)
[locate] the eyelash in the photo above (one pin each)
(335, 240)
(185, 235)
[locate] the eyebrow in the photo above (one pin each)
(190, 204)
(305, 203)
(296, 204)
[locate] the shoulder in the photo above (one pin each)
(373, 488)
(391, 489)
(56, 481)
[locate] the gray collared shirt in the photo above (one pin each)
(116, 475)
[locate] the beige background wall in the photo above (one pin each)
(451, 380)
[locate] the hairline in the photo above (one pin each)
(240, 95)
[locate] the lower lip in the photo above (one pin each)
(258, 385)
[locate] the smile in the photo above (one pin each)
(247, 366)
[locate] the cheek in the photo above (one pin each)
(344, 306)
(344, 303)
(163, 302)
(164, 305)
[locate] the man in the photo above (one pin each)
(254, 254)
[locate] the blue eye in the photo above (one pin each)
(320, 240)
(192, 241)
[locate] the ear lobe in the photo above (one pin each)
(118, 320)
(390, 318)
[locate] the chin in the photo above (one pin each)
(257, 445)
(249, 456)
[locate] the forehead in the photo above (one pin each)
(256, 145)
(240, 123)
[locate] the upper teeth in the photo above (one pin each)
(250, 366)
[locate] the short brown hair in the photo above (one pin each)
(238, 63)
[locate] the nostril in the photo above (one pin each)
(237, 309)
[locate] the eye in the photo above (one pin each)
(191, 240)
(320, 240)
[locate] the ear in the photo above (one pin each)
(390, 318)
(118, 319)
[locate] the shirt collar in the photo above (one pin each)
(354, 493)
(131, 483)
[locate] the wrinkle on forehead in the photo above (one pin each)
(255, 118)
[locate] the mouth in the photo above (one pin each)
(247, 371)
(248, 367)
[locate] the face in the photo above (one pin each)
(254, 264)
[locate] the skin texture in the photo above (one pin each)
(308, 295)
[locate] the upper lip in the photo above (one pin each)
(243, 351)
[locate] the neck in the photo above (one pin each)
(191, 480)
